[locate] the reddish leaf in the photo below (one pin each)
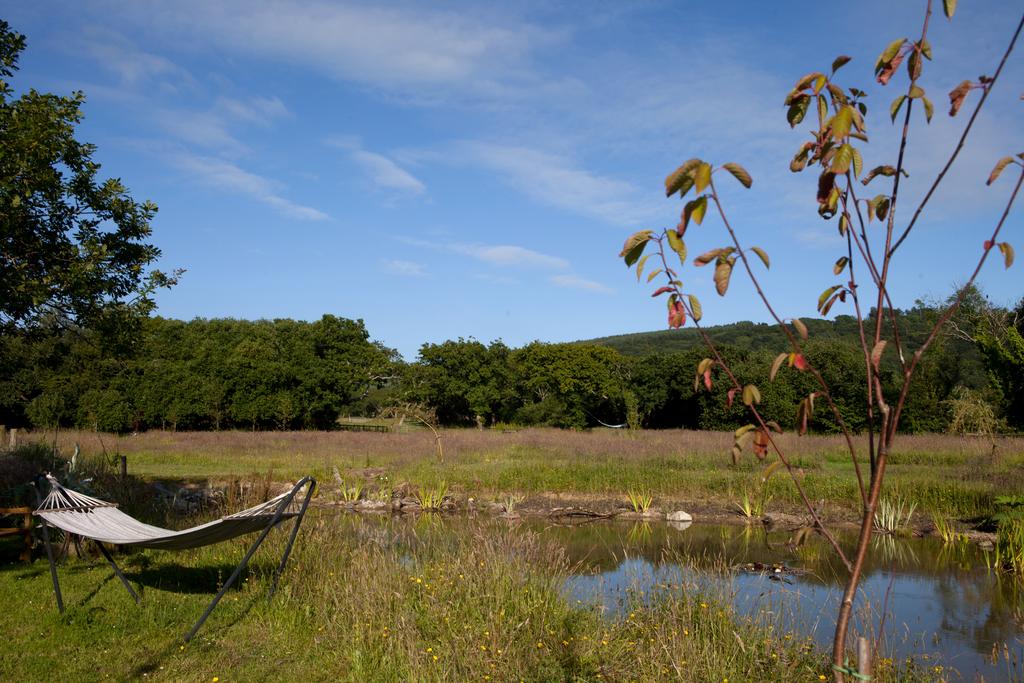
(799, 362)
(661, 290)
(958, 95)
(889, 69)
(988, 244)
(723, 271)
(707, 379)
(676, 315)
(729, 396)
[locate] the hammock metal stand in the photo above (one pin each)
(63, 500)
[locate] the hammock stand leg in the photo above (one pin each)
(53, 568)
(248, 555)
(117, 570)
(49, 552)
(291, 538)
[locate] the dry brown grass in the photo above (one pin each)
(946, 472)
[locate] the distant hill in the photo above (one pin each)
(744, 334)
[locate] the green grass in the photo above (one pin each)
(362, 602)
(943, 473)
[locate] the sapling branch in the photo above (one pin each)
(963, 138)
(762, 423)
(794, 342)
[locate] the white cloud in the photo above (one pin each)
(395, 48)
(576, 282)
(510, 255)
(555, 180)
(507, 255)
(258, 110)
(404, 268)
(222, 174)
(204, 129)
(133, 65)
(385, 173)
(382, 171)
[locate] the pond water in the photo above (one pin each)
(943, 605)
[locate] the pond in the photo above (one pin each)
(943, 605)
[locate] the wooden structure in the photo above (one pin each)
(25, 530)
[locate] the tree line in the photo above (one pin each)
(287, 374)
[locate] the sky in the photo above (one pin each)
(446, 169)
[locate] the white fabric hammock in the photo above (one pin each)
(99, 520)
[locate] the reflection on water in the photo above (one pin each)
(941, 601)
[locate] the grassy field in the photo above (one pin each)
(954, 476)
(362, 603)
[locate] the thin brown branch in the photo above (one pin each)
(963, 138)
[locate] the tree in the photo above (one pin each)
(837, 118)
(72, 248)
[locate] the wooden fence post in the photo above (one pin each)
(864, 658)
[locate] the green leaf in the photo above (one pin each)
(840, 61)
(702, 177)
(751, 395)
(797, 110)
(858, 162)
(882, 203)
(822, 108)
(826, 294)
(840, 265)
(654, 273)
(844, 225)
(887, 171)
(695, 308)
(634, 246)
(841, 159)
(776, 364)
(888, 53)
(926, 49)
(1007, 249)
(949, 7)
(894, 108)
(681, 179)
(640, 267)
(743, 430)
(800, 328)
(739, 173)
(677, 245)
(723, 271)
(695, 210)
(1000, 165)
(842, 122)
(915, 92)
(762, 255)
(929, 109)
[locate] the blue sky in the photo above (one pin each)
(447, 170)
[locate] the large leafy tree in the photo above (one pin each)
(73, 247)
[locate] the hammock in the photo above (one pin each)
(101, 521)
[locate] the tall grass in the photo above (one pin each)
(960, 477)
(369, 602)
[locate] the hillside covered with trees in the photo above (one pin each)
(286, 374)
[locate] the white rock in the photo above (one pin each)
(679, 516)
